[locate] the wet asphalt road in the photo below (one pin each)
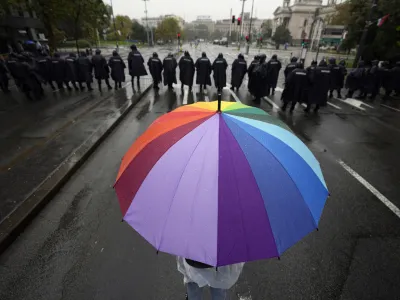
(77, 248)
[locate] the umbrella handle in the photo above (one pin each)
(219, 100)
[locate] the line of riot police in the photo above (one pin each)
(30, 73)
(314, 84)
(368, 79)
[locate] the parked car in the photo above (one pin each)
(216, 42)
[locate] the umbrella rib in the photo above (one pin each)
(176, 189)
(283, 167)
(240, 204)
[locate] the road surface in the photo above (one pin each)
(78, 248)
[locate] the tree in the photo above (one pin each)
(382, 42)
(123, 25)
(138, 32)
(266, 29)
(86, 18)
(282, 35)
(167, 29)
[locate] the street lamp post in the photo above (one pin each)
(251, 21)
(115, 27)
(242, 20)
(147, 25)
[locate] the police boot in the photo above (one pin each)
(331, 94)
(232, 88)
(307, 109)
(120, 85)
(89, 87)
(284, 106)
(182, 87)
(316, 109)
(273, 92)
(292, 107)
(116, 86)
(75, 87)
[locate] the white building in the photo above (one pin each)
(154, 21)
(225, 25)
(203, 20)
(305, 19)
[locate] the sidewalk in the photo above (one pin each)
(36, 138)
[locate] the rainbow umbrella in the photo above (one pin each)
(220, 187)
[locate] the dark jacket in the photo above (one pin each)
(239, 70)
(186, 67)
(57, 69)
(85, 69)
(43, 67)
(319, 85)
(289, 68)
(155, 67)
(71, 69)
(136, 64)
(259, 87)
(396, 78)
(296, 86)
(250, 70)
(117, 67)
(355, 80)
(169, 65)
(273, 66)
(16, 70)
(219, 68)
(204, 69)
(101, 70)
(342, 76)
(3, 71)
(336, 81)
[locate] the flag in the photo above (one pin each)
(382, 20)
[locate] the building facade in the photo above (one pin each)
(225, 25)
(203, 20)
(306, 19)
(19, 23)
(153, 22)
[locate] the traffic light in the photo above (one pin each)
(233, 19)
(179, 35)
(239, 21)
(247, 38)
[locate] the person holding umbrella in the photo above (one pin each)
(231, 188)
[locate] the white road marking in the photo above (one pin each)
(232, 93)
(389, 107)
(373, 190)
(333, 105)
(355, 103)
(273, 104)
(185, 96)
(304, 105)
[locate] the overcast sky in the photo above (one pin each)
(190, 9)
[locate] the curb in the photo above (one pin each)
(15, 223)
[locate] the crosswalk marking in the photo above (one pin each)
(274, 105)
(232, 93)
(333, 105)
(391, 108)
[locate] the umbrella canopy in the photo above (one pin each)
(220, 187)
